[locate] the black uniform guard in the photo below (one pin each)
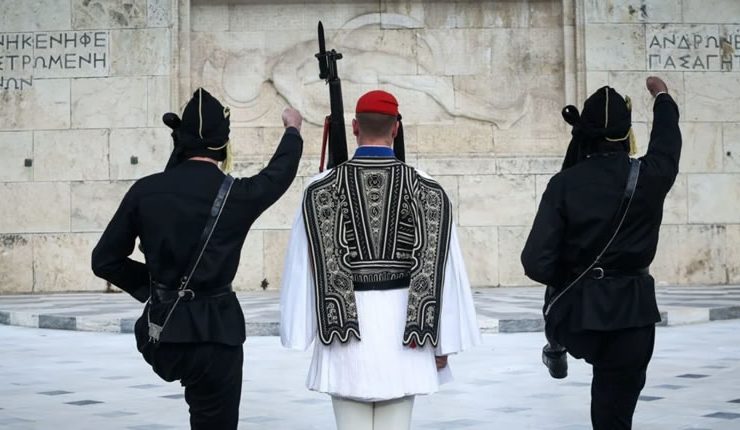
(608, 318)
(202, 343)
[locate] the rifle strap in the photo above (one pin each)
(324, 142)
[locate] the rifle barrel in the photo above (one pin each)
(338, 137)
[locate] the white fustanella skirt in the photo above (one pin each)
(378, 367)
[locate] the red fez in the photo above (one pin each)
(377, 102)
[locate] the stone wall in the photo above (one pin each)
(695, 46)
(481, 85)
(84, 85)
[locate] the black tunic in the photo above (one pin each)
(168, 212)
(575, 219)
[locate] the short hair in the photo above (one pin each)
(375, 125)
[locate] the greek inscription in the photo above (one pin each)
(684, 61)
(693, 48)
(726, 64)
(709, 60)
(684, 43)
(55, 61)
(14, 84)
(42, 40)
(52, 40)
(101, 39)
(28, 56)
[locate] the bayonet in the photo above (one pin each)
(321, 56)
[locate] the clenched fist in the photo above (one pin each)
(441, 361)
(292, 118)
(656, 85)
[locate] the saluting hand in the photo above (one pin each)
(292, 118)
(656, 85)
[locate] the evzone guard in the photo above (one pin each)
(375, 280)
(592, 243)
(192, 220)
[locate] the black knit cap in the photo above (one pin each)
(606, 122)
(203, 130)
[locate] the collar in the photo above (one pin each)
(375, 152)
(604, 154)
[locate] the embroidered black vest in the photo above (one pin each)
(375, 223)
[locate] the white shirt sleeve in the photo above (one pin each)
(297, 303)
(458, 324)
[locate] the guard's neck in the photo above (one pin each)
(375, 142)
(206, 159)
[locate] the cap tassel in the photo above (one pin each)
(631, 134)
(228, 165)
(399, 148)
(633, 142)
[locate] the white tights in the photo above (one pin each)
(392, 414)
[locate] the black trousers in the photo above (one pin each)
(212, 376)
(620, 360)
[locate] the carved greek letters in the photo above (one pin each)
(28, 56)
(700, 48)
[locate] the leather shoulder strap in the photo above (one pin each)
(205, 236)
(621, 215)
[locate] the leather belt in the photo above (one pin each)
(601, 273)
(394, 284)
(164, 294)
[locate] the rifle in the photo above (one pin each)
(335, 137)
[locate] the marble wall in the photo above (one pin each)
(83, 84)
(695, 46)
(480, 85)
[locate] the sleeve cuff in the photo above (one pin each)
(293, 130)
(662, 97)
(141, 294)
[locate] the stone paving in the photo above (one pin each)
(505, 310)
(55, 379)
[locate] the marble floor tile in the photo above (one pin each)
(505, 310)
(499, 385)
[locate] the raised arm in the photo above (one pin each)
(110, 258)
(664, 150)
(270, 183)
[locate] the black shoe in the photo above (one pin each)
(556, 360)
